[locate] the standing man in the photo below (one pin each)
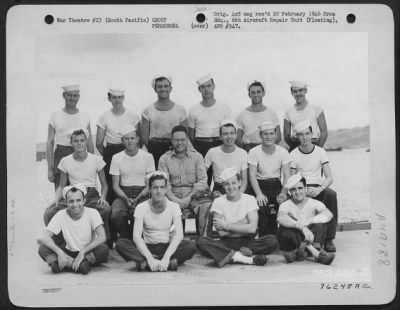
(187, 176)
(312, 162)
(83, 232)
(205, 118)
(129, 169)
(302, 110)
(303, 224)
(60, 123)
(82, 167)
(235, 219)
(159, 118)
(268, 162)
(108, 138)
(257, 113)
(154, 248)
(228, 155)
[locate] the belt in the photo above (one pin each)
(207, 139)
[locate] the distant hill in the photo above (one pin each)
(357, 137)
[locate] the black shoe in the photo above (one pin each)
(329, 246)
(55, 268)
(301, 252)
(110, 243)
(325, 258)
(173, 265)
(84, 267)
(260, 259)
(142, 266)
(290, 256)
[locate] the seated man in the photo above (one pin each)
(235, 219)
(129, 169)
(267, 163)
(154, 247)
(227, 155)
(83, 232)
(187, 177)
(82, 167)
(312, 162)
(303, 224)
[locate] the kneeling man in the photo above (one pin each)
(303, 224)
(83, 232)
(235, 219)
(154, 246)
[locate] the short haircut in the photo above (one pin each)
(159, 79)
(291, 88)
(74, 190)
(155, 177)
(224, 126)
(78, 132)
(179, 128)
(256, 83)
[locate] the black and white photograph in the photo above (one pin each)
(198, 155)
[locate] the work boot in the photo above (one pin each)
(84, 267)
(173, 265)
(325, 258)
(290, 256)
(330, 246)
(260, 259)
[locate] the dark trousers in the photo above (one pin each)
(202, 145)
(222, 250)
(92, 197)
(128, 250)
(219, 188)
(267, 223)
(100, 252)
(291, 238)
(158, 147)
(60, 152)
(121, 215)
(329, 198)
(109, 151)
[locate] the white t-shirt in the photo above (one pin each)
(249, 122)
(77, 234)
(112, 123)
(132, 169)
(207, 120)
(311, 113)
(63, 122)
(310, 209)
(82, 171)
(268, 165)
(156, 227)
(234, 211)
(162, 122)
(309, 165)
(219, 160)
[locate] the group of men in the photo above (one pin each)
(140, 209)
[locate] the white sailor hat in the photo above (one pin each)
(227, 122)
(70, 132)
(255, 81)
(228, 173)
(266, 125)
(153, 81)
(128, 128)
(298, 84)
(116, 91)
(70, 87)
(78, 186)
(303, 125)
(293, 180)
(204, 79)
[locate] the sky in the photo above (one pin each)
(334, 64)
